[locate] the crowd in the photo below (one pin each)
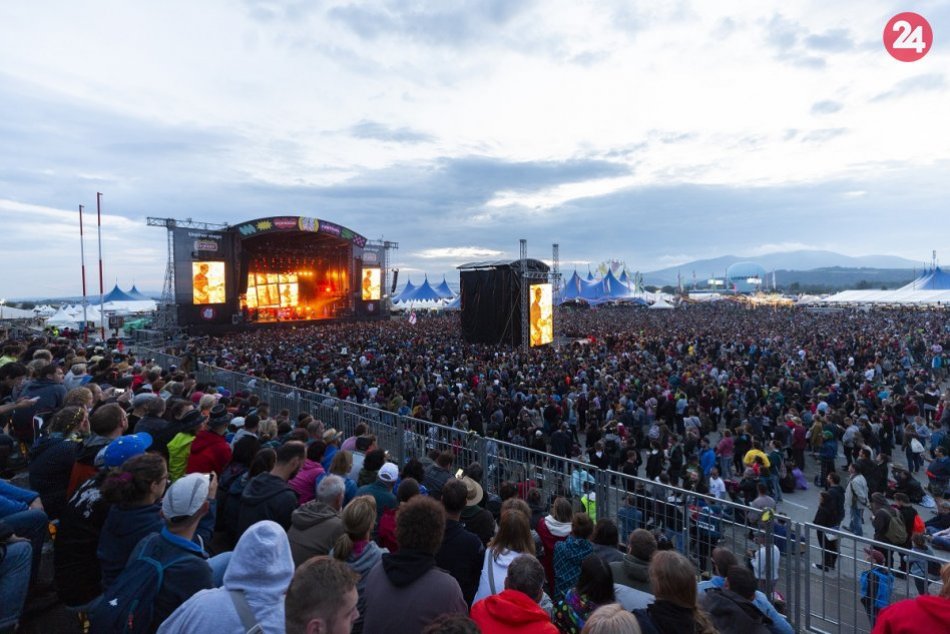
(174, 505)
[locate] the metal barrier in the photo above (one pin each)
(816, 600)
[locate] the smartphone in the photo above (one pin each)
(459, 473)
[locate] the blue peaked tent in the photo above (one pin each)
(572, 288)
(424, 293)
(407, 290)
(134, 293)
(444, 290)
(117, 295)
(933, 280)
(590, 276)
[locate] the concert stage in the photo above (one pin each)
(281, 270)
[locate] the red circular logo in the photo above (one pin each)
(908, 37)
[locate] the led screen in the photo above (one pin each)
(207, 283)
(371, 289)
(542, 319)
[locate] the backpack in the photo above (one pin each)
(896, 532)
(127, 605)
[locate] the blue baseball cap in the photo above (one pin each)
(125, 447)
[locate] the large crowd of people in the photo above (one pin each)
(175, 505)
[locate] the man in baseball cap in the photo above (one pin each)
(382, 491)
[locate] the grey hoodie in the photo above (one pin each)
(262, 568)
(314, 529)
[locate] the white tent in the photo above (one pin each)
(71, 316)
(661, 304)
(9, 312)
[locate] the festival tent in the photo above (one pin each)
(407, 290)
(932, 280)
(424, 296)
(572, 288)
(455, 304)
(444, 290)
(590, 276)
(71, 316)
(933, 287)
(9, 312)
(119, 302)
(661, 304)
(44, 311)
(134, 293)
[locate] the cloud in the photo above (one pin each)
(456, 24)
(823, 135)
(913, 85)
(381, 132)
(826, 106)
(466, 253)
(833, 40)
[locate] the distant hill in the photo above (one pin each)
(791, 261)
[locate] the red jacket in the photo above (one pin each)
(923, 614)
(209, 452)
(549, 539)
(511, 612)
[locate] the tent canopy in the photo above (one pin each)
(118, 295)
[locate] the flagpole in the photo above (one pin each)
(85, 301)
(102, 323)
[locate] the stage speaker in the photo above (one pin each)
(392, 291)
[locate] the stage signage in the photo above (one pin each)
(299, 223)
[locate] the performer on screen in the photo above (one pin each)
(368, 284)
(538, 323)
(200, 285)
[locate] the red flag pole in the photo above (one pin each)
(82, 255)
(102, 317)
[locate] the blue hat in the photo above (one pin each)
(125, 447)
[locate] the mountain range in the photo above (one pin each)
(803, 260)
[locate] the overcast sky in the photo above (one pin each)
(651, 132)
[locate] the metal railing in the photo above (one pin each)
(815, 600)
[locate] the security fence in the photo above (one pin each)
(783, 553)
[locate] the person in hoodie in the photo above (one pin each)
(260, 570)
(53, 457)
(926, 613)
(675, 611)
(731, 608)
(406, 590)
(76, 567)
(355, 548)
(633, 570)
(317, 525)
(551, 530)
(605, 539)
(513, 539)
(268, 496)
(515, 610)
(106, 424)
(133, 493)
(304, 483)
(462, 552)
(179, 447)
(210, 452)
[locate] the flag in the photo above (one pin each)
(412, 318)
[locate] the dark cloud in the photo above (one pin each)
(826, 106)
(381, 132)
(913, 85)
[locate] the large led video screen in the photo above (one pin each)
(207, 283)
(542, 316)
(371, 285)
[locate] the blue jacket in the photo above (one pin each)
(829, 450)
(13, 499)
(885, 583)
(707, 460)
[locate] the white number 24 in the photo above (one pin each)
(909, 38)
